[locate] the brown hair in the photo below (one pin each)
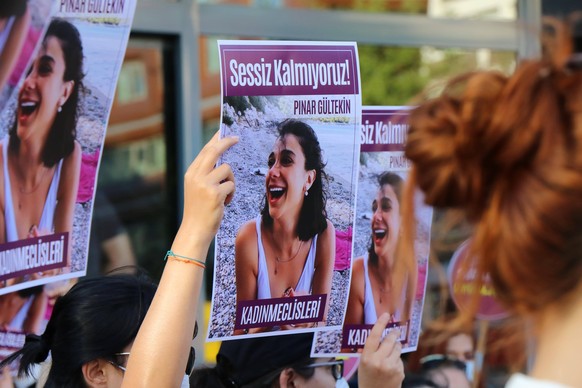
(508, 152)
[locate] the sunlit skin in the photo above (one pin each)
(387, 277)
(286, 182)
(44, 90)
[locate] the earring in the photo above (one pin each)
(60, 109)
(306, 193)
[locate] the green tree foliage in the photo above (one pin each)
(390, 75)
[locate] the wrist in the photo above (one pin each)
(190, 246)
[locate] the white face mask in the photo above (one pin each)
(341, 383)
(469, 369)
(185, 382)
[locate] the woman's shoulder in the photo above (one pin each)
(247, 231)
(77, 150)
(329, 231)
(358, 267)
(245, 244)
(330, 226)
(357, 284)
(74, 158)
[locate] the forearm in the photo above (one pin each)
(166, 333)
(160, 351)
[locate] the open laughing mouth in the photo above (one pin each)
(276, 192)
(28, 107)
(379, 234)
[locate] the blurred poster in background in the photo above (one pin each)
(381, 281)
(55, 104)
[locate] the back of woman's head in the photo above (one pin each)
(313, 216)
(257, 362)
(508, 151)
(97, 318)
(207, 377)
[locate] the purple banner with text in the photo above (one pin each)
(384, 131)
(33, 255)
(354, 336)
(268, 70)
(280, 311)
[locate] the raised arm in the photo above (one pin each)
(160, 351)
(324, 262)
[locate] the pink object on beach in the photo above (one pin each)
(87, 177)
(343, 249)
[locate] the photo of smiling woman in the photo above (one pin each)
(40, 158)
(288, 250)
(380, 281)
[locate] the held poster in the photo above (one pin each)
(282, 257)
(54, 110)
(381, 281)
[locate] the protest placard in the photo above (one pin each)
(283, 251)
(381, 281)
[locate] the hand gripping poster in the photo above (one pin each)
(283, 252)
(382, 282)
